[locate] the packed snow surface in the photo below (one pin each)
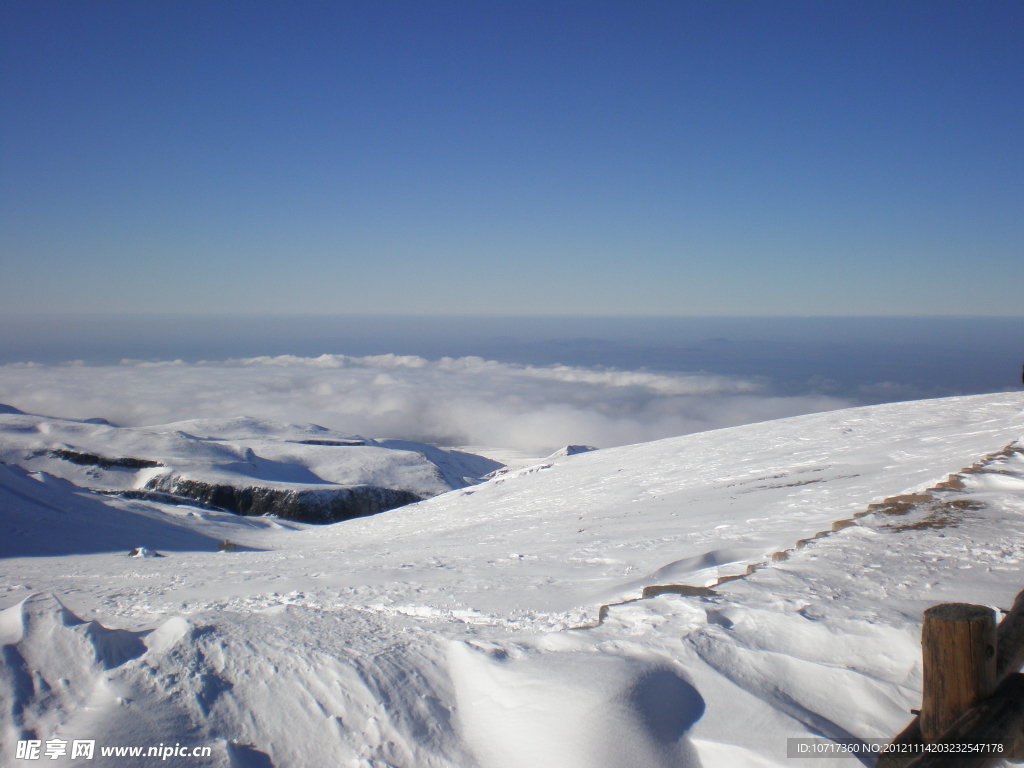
(464, 630)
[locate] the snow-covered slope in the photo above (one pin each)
(463, 630)
(45, 515)
(245, 465)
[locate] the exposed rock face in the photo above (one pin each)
(91, 459)
(159, 496)
(318, 505)
(572, 450)
(335, 443)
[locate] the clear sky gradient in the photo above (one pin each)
(620, 158)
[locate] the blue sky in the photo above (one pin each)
(624, 158)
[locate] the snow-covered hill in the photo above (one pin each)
(244, 465)
(464, 630)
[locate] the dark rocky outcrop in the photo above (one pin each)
(158, 496)
(316, 505)
(572, 450)
(345, 443)
(91, 459)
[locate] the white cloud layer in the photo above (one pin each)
(452, 401)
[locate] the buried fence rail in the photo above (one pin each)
(986, 733)
(972, 694)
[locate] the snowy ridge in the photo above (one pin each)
(244, 465)
(443, 633)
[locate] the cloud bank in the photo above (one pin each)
(451, 401)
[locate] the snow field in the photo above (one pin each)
(450, 632)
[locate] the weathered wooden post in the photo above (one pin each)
(958, 642)
(1009, 658)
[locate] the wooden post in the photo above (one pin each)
(1009, 659)
(958, 642)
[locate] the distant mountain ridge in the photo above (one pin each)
(248, 466)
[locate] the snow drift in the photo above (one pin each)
(464, 630)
